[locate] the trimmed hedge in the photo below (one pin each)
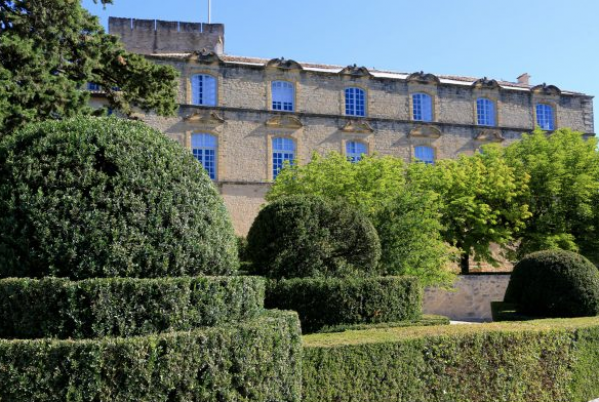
(425, 321)
(307, 236)
(92, 308)
(554, 283)
(107, 197)
(324, 302)
(254, 361)
(541, 361)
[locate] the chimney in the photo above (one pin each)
(524, 79)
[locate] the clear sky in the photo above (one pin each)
(555, 41)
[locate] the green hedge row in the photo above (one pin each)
(541, 361)
(60, 308)
(258, 360)
(425, 321)
(324, 302)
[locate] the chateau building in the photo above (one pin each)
(243, 117)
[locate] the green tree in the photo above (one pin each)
(406, 218)
(50, 49)
(482, 201)
(563, 193)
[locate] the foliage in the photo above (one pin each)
(105, 197)
(324, 302)
(306, 236)
(411, 242)
(253, 361)
(60, 308)
(425, 321)
(554, 283)
(406, 220)
(563, 192)
(50, 50)
(369, 184)
(481, 201)
(543, 361)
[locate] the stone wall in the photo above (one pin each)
(156, 36)
(471, 298)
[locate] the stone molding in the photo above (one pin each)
(357, 126)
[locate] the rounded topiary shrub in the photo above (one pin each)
(554, 283)
(306, 236)
(105, 197)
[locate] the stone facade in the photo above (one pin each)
(244, 123)
(469, 300)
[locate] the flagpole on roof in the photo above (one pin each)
(209, 11)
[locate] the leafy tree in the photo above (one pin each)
(50, 49)
(369, 184)
(563, 192)
(407, 221)
(481, 197)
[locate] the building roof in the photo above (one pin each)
(334, 69)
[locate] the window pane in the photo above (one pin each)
(354, 150)
(283, 149)
(425, 154)
(203, 147)
(203, 90)
(283, 96)
(422, 107)
(545, 116)
(485, 112)
(355, 102)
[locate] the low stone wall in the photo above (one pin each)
(471, 298)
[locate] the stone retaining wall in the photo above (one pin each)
(471, 298)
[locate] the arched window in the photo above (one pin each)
(354, 150)
(545, 116)
(203, 147)
(283, 96)
(203, 90)
(485, 112)
(425, 154)
(355, 102)
(422, 106)
(283, 149)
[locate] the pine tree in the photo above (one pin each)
(49, 51)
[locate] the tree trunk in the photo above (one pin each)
(465, 263)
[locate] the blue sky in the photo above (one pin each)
(555, 41)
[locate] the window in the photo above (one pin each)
(545, 116)
(203, 147)
(203, 90)
(283, 149)
(354, 150)
(485, 112)
(91, 86)
(283, 96)
(422, 107)
(425, 154)
(354, 102)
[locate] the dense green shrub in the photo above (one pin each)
(59, 308)
(256, 360)
(324, 302)
(554, 283)
(306, 236)
(105, 197)
(424, 321)
(541, 361)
